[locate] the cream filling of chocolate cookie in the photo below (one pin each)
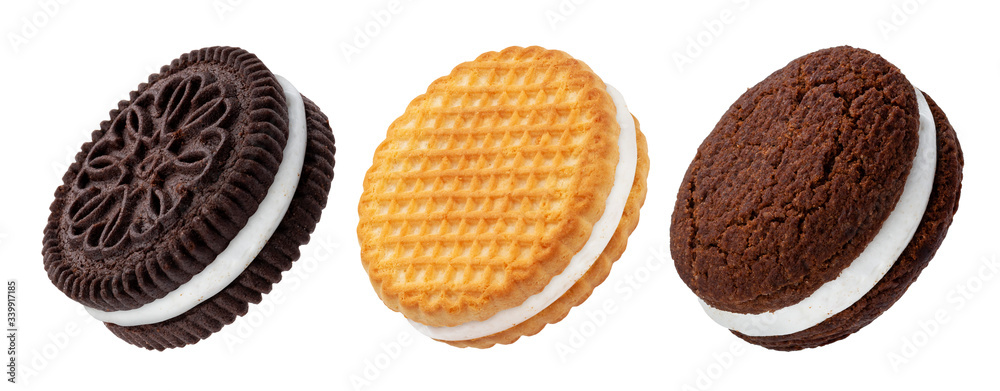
(243, 249)
(869, 267)
(581, 262)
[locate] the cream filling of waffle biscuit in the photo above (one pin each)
(869, 267)
(245, 246)
(581, 262)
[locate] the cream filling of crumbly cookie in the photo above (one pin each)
(869, 267)
(581, 262)
(243, 249)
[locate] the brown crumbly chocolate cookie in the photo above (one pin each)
(931, 232)
(794, 182)
(170, 180)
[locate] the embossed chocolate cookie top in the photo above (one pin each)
(167, 181)
(139, 176)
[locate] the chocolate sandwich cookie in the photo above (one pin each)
(816, 201)
(191, 200)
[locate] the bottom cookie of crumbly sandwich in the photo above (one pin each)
(594, 276)
(281, 250)
(930, 233)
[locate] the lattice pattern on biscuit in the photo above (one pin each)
(478, 174)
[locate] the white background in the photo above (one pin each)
(328, 328)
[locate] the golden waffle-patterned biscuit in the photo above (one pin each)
(487, 185)
(597, 273)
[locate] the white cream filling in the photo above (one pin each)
(242, 250)
(581, 262)
(869, 267)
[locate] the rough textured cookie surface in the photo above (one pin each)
(795, 180)
(487, 185)
(933, 226)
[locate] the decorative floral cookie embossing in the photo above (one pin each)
(191, 200)
(138, 177)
